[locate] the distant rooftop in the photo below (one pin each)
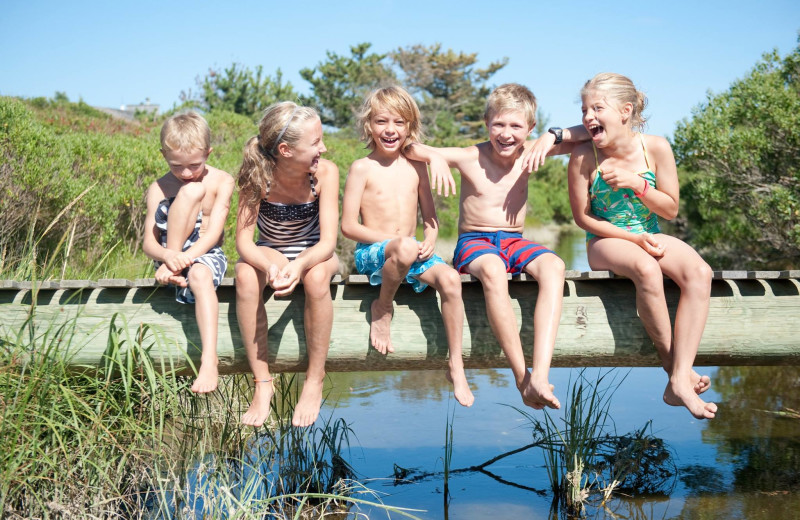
(129, 111)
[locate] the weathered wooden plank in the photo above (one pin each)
(751, 321)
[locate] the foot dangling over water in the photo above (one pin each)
(682, 393)
(461, 388)
(307, 408)
(207, 377)
(258, 412)
(537, 393)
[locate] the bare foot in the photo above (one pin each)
(677, 394)
(537, 393)
(700, 383)
(460, 386)
(380, 327)
(207, 377)
(258, 412)
(307, 409)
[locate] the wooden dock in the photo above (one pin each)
(753, 320)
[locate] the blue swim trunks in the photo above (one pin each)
(214, 259)
(515, 251)
(371, 257)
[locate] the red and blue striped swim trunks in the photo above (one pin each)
(515, 251)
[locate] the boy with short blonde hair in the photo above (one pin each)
(385, 189)
(492, 208)
(186, 213)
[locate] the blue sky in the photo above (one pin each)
(115, 53)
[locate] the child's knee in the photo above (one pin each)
(191, 192)
(493, 272)
(317, 283)
(450, 284)
(247, 282)
(199, 274)
(404, 250)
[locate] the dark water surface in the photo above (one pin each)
(743, 464)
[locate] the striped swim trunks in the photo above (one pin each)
(515, 251)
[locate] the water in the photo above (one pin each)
(743, 464)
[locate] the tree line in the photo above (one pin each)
(449, 87)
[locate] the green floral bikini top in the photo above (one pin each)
(621, 206)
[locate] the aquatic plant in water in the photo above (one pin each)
(584, 460)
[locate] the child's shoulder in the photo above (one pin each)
(657, 143)
(216, 175)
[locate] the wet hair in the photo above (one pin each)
(396, 100)
(619, 89)
(511, 96)
(185, 131)
(281, 123)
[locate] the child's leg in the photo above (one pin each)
(182, 215)
(252, 318)
(628, 259)
(548, 269)
(490, 269)
(693, 275)
(206, 310)
(400, 254)
(318, 318)
(447, 283)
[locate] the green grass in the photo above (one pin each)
(128, 438)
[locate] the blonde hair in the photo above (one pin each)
(396, 100)
(619, 89)
(511, 96)
(281, 123)
(185, 131)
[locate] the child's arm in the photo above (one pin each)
(328, 189)
(545, 146)
(428, 210)
(246, 217)
(216, 220)
(441, 160)
(354, 188)
(151, 245)
(580, 169)
(664, 199)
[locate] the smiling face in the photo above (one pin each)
(389, 131)
(603, 119)
(309, 147)
(508, 131)
(187, 166)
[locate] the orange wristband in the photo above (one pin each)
(646, 187)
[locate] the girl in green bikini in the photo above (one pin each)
(619, 184)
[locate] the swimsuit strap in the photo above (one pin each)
(644, 147)
(596, 162)
(310, 181)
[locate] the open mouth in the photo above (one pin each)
(505, 146)
(595, 130)
(390, 141)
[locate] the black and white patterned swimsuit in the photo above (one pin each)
(289, 228)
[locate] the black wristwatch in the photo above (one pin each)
(558, 132)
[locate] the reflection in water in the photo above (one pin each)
(744, 464)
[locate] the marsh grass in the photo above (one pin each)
(585, 459)
(128, 438)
